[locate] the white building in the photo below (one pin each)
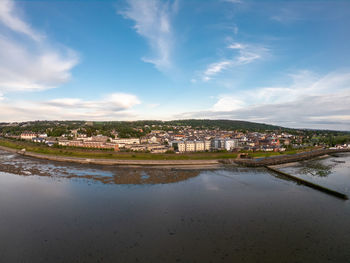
(127, 141)
(230, 144)
(199, 146)
(190, 146)
(28, 136)
(181, 147)
(207, 145)
(153, 139)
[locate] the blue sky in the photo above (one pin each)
(278, 62)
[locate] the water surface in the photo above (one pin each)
(58, 212)
(332, 172)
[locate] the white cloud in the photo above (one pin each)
(303, 83)
(122, 100)
(228, 103)
(29, 64)
(248, 53)
(112, 107)
(153, 22)
(307, 101)
(245, 54)
(10, 18)
(114, 101)
(236, 46)
(216, 68)
(23, 68)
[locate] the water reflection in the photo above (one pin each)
(226, 215)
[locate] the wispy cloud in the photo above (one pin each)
(10, 18)
(153, 21)
(308, 101)
(114, 102)
(29, 69)
(216, 68)
(111, 107)
(29, 64)
(244, 54)
(248, 53)
(300, 84)
(287, 15)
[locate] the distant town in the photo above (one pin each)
(184, 136)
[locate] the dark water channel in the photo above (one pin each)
(54, 212)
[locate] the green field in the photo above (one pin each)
(103, 154)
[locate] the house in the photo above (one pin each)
(28, 136)
(126, 141)
(38, 140)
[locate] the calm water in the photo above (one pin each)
(332, 172)
(50, 212)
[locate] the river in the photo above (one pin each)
(54, 212)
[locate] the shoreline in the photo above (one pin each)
(199, 164)
(215, 163)
(286, 159)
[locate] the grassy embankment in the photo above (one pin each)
(103, 154)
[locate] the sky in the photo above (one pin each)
(278, 62)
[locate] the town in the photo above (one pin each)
(169, 137)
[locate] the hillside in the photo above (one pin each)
(225, 124)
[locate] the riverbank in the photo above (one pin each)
(106, 154)
(200, 160)
(278, 160)
(205, 163)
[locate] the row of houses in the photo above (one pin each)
(31, 136)
(89, 144)
(341, 146)
(156, 143)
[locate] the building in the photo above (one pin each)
(230, 144)
(207, 145)
(159, 149)
(99, 138)
(199, 146)
(153, 139)
(136, 147)
(89, 144)
(28, 136)
(38, 140)
(179, 146)
(190, 146)
(126, 141)
(218, 144)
